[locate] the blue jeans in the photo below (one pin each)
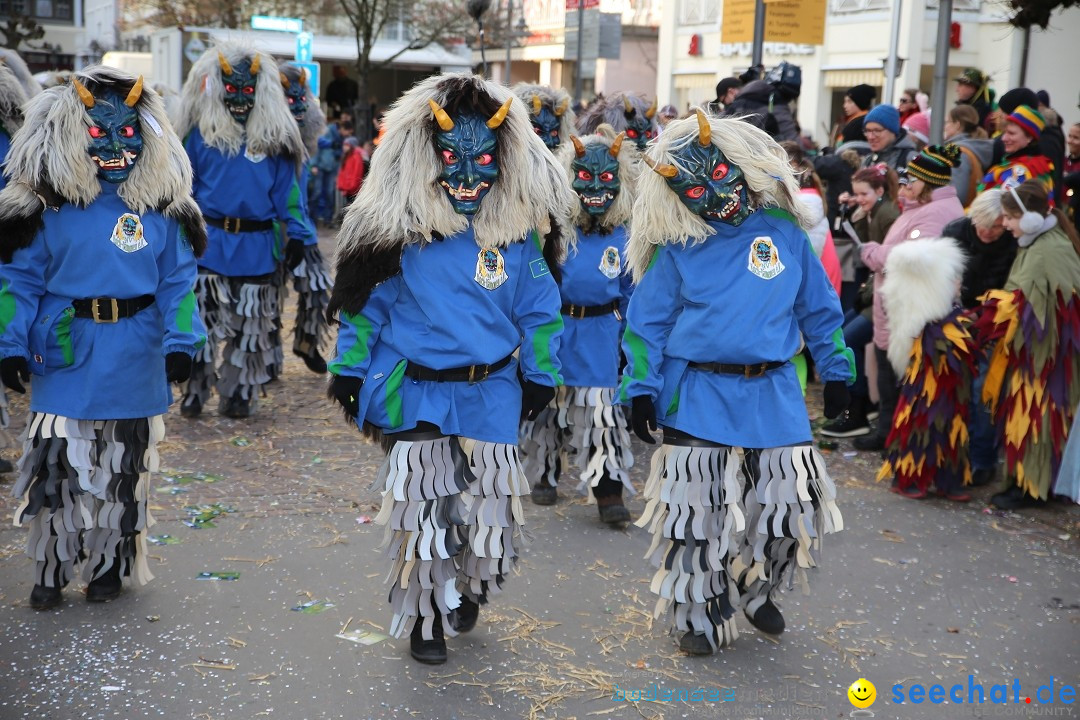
(326, 186)
(983, 450)
(858, 331)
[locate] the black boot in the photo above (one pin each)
(315, 362)
(429, 652)
(44, 598)
(693, 643)
(237, 407)
(982, 477)
(1015, 498)
(191, 406)
(612, 510)
(107, 587)
(544, 494)
(767, 618)
(464, 618)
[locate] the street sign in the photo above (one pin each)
(280, 24)
(303, 47)
(801, 22)
(194, 49)
(602, 38)
(574, 4)
(311, 69)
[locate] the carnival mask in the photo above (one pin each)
(115, 133)
(596, 174)
(296, 95)
(639, 128)
(468, 151)
(709, 185)
(546, 121)
(239, 81)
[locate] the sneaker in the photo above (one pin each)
(692, 643)
(872, 412)
(429, 652)
(544, 494)
(870, 442)
(44, 598)
(464, 618)
(1015, 499)
(847, 425)
(107, 587)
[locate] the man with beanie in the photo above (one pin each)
(857, 102)
(1022, 160)
(1051, 140)
(889, 143)
(726, 91)
(973, 88)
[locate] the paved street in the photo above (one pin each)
(910, 593)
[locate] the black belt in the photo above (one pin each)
(470, 373)
(755, 370)
(239, 225)
(583, 311)
(109, 310)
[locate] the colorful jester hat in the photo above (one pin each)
(707, 169)
(549, 112)
(103, 126)
(631, 114)
(602, 173)
(233, 94)
(425, 181)
(303, 105)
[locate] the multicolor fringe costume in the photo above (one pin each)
(1033, 382)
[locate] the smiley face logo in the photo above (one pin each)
(862, 693)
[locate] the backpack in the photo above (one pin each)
(786, 76)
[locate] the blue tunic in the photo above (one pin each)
(249, 187)
(89, 370)
(593, 275)
(5, 145)
(439, 315)
(749, 294)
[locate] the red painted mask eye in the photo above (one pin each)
(584, 175)
(648, 133)
(249, 90)
(230, 88)
(631, 133)
(720, 172)
(96, 132)
(484, 159)
(695, 192)
(536, 130)
(607, 177)
(554, 133)
(127, 131)
(448, 157)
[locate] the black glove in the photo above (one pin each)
(534, 398)
(177, 367)
(643, 417)
(345, 389)
(13, 368)
(294, 253)
(836, 397)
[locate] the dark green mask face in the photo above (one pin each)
(115, 137)
(469, 162)
(239, 91)
(640, 129)
(596, 179)
(546, 125)
(711, 187)
(296, 95)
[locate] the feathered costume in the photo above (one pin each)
(310, 279)
(582, 422)
(97, 302)
(928, 443)
(720, 307)
(549, 112)
(246, 152)
(625, 112)
(434, 300)
(1033, 382)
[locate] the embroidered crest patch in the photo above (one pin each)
(765, 258)
(611, 262)
(252, 156)
(128, 233)
(490, 268)
(539, 268)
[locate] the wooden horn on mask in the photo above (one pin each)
(135, 93)
(616, 145)
(500, 114)
(225, 66)
(704, 130)
(579, 149)
(536, 104)
(255, 64)
(445, 123)
(84, 94)
(651, 111)
(562, 107)
(668, 171)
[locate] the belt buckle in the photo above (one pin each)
(755, 370)
(235, 228)
(95, 311)
(472, 374)
(574, 309)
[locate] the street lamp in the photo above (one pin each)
(476, 10)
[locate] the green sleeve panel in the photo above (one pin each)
(7, 307)
(359, 350)
(542, 347)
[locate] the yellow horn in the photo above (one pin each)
(225, 66)
(616, 145)
(284, 80)
(536, 104)
(500, 114)
(445, 123)
(668, 171)
(579, 149)
(84, 94)
(562, 107)
(651, 111)
(704, 131)
(135, 94)
(255, 62)
(626, 105)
